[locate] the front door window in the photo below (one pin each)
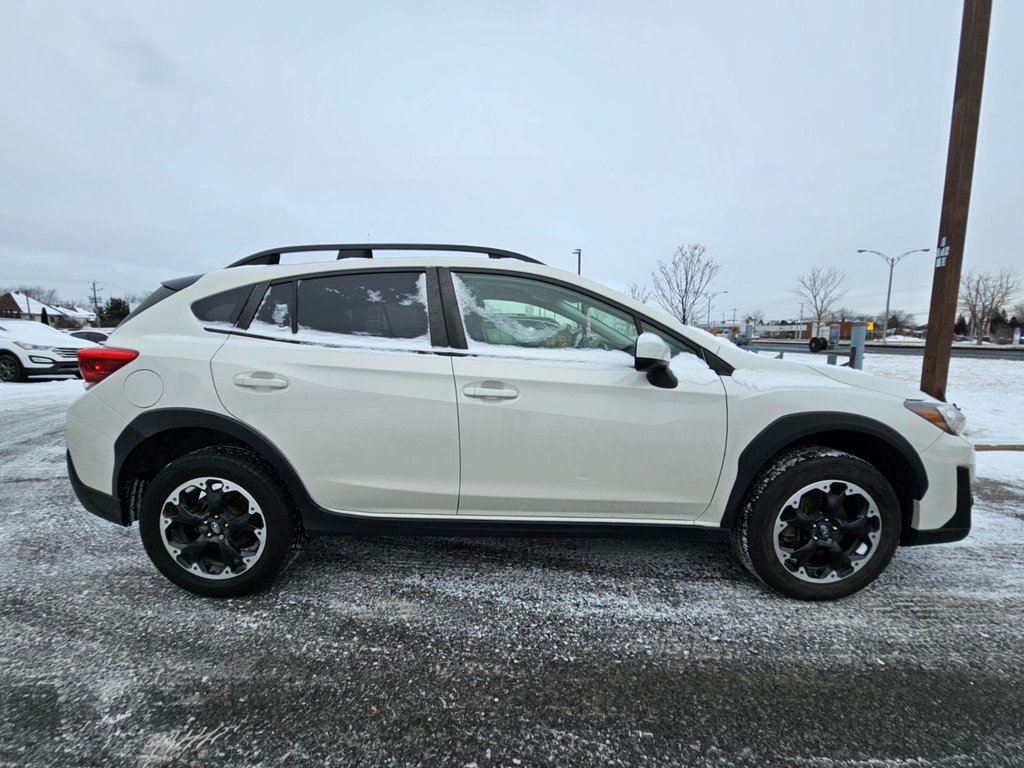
(512, 311)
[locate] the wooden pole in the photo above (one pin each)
(956, 197)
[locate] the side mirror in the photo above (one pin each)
(653, 356)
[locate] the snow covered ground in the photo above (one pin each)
(496, 651)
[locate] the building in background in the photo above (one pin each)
(22, 307)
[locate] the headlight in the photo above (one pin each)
(23, 345)
(945, 416)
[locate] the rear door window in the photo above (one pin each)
(375, 310)
(274, 316)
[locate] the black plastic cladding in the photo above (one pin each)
(365, 251)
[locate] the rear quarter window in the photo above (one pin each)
(222, 309)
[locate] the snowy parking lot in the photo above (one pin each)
(504, 652)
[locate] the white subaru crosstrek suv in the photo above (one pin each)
(236, 412)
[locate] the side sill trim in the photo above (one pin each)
(322, 522)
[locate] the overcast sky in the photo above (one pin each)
(142, 141)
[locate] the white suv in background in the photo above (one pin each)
(30, 348)
(236, 412)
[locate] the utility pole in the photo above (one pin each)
(96, 302)
(710, 297)
(579, 261)
(956, 196)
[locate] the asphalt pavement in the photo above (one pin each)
(991, 352)
(493, 652)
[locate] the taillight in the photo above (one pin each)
(96, 363)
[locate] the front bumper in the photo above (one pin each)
(97, 502)
(53, 369)
(954, 529)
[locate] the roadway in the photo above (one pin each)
(990, 352)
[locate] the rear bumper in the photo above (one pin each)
(954, 529)
(97, 502)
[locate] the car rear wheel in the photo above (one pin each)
(219, 523)
(11, 369)
(818, 524)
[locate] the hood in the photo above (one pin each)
(856, 378)
(769, 373)
(36, 333)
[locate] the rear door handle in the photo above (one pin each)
(260, 380)
(490, 390)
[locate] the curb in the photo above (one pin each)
(999, 447)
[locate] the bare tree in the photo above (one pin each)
(681, 284)
(985, 294)
(641, 293)
(1018, 312)
(755, 317)
(847, 315)
(898, 318)
(819, 289)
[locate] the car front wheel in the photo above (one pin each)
(10, 368)
(818, 524)
(218, 522)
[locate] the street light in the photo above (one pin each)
(710, 297)
(579, 260)
(892, 261)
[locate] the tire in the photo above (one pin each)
(198, 533)
(11, 369)
(832, 542)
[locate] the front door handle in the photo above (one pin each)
(260, 380)
(490, 390)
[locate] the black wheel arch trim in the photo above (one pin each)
(151, 423)
(797, 428)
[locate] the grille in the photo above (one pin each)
(66, 351)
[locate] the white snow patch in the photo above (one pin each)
(1004, 466)
(593, 358)
(14, 397)
(360, 341)
(691, 369)
(761, 381)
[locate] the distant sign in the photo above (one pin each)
(871, 325)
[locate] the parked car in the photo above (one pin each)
(91, 334)
(234, 413)
(30, 348)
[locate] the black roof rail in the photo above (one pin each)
(365, 251)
